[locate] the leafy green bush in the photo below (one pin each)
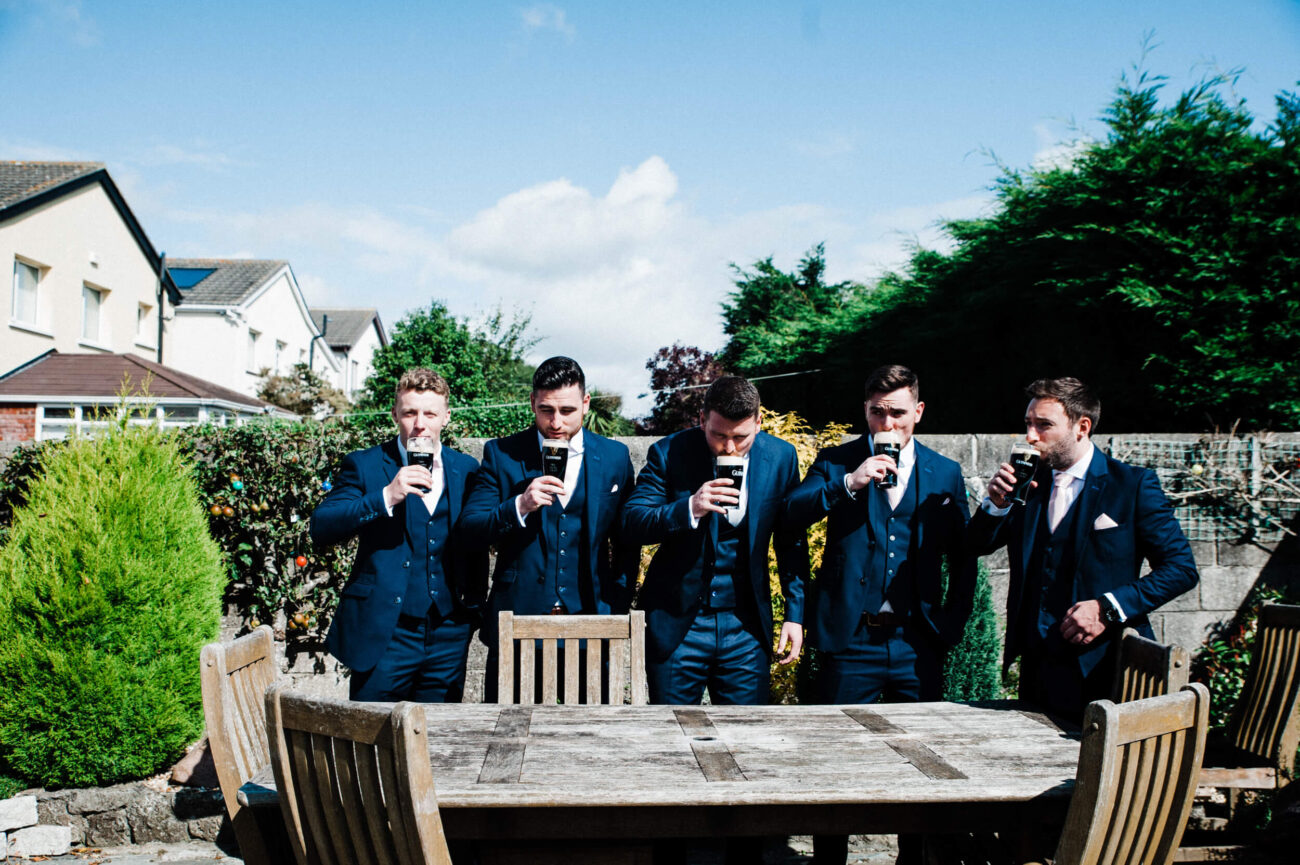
(109, 586)
(1224, 661)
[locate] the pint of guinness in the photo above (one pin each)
(555, 457)
(730, 467)
(419, 451)
(1024, 461)
(888, 443)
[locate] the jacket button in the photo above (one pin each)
(398, 600)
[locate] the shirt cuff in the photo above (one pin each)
(1114, 603)
(852, 493)
(519, 514)
(993, 510)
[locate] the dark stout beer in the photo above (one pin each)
(888, 443)
(555, 457)
(732, 468)
(1024, 461)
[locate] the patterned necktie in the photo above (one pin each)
(1060, 501)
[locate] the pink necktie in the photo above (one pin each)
(1060, 501)
(895, 494)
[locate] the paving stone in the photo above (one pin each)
(1225, 588)
(1188, 630)
(40, 841)
(1205, 553)
(108, 829)
(17, 812)
(1246, 555)
(205, 828)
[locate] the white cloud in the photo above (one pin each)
(1053, 152)
(608, 277)
(547, 16)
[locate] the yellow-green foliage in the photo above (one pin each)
(807, 442)
(109, 586)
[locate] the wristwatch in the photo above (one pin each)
(1109, 612)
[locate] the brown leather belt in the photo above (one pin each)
(883, 620)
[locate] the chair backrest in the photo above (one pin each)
(1138, 764)
(1147, 668)
(621, 639)
(1266, 722)
(234, 677)
(354, 780)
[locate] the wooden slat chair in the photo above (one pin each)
(234, 677)
(1147, 668)
(1133, 790)
(1258, 749)
(354, 780)
(622, 636)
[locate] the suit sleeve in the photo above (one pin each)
(1160, 540)
(986, 533)
(476, 555)
(489, 515)
(626, 552)
(648, 516)
(963, 569)
(821, 490)
(347, 508)
(791, 542)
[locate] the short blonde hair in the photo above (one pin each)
(423, 379)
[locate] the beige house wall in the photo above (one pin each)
(75, 241)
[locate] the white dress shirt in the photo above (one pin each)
(736, 514)
(906, 461)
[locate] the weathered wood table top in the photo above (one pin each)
(624, 771)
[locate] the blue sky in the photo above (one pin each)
(596, 164)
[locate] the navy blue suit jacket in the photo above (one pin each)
(837, 597)
(1105, 559)
(659, 513)
(509, 465)
(372, 598)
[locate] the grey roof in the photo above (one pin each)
(22, 180)
(232, 281)
(347, 324)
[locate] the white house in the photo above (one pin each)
(79, 274)
(353, 335)
(240, 317)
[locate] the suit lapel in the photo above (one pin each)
(757, 474)
(923, 477)
(591, 485)
(1088, 506)
(454, 480)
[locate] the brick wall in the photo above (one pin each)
(17, 423)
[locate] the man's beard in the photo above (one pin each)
(1059, 456)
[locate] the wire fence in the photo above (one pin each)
(1223, 487)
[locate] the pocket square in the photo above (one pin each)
(1104, 522)
(614, 488)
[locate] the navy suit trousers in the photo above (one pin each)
(898, 664)
(718, 653)
(424, 662)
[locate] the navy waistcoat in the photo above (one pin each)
(426, 582)
(888, 572)
(564, 548)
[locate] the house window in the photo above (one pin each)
(92, 300)
(354, 375)
(280, 346)
(144, 334)
(26, 279)
(252, 351)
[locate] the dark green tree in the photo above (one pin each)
(1162, 264)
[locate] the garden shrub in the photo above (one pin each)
(972, 669)
(109, 586)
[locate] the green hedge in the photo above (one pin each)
(109, 585)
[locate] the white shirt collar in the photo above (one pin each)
(1079, 470)
(437, 450)
(575, 443)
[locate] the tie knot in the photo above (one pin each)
(1062, 479)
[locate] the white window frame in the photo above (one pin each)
(101, 339)
(32, 325)
(250, 360)
(145, 336)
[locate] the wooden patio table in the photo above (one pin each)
(640, 772)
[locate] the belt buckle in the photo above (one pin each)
(558, 609)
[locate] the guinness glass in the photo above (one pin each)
(1024, 461)
(555, 457)
(419, 451)
(888, 443)
(732, 468)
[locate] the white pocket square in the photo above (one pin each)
(1104, 522)
(614, 488)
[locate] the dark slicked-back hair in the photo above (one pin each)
(557, 372)
(732, 397)
(891, 377)
(1075, 397)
